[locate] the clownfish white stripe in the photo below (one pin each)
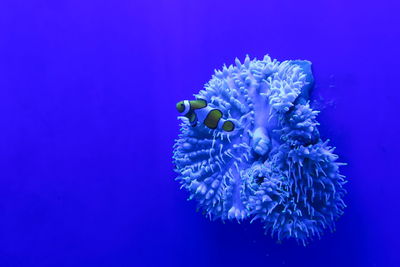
(187, 106)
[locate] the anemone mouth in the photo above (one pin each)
(260, 180)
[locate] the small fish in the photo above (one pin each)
(199, 110)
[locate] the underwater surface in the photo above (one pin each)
(88, 123)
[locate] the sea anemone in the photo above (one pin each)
(273, 167)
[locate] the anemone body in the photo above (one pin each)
(273, 167)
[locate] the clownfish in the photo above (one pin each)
(198, 110)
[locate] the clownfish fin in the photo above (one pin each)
(192, 117)
(228, 126)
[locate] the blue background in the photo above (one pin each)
(88, 120)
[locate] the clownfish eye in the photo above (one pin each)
(180, 107)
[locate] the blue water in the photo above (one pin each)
(88, 120)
